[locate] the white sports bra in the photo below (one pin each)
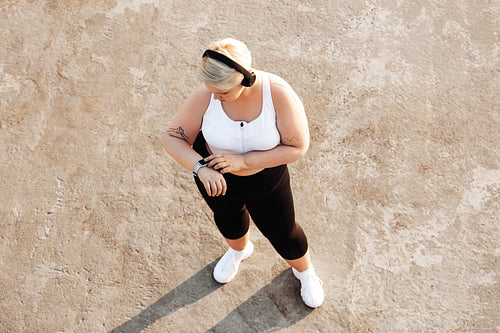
(224, 134)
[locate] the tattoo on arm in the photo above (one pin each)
(178, 133)
(290, 140)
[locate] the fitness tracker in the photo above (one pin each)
(200, 164)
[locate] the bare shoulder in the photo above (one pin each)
(198, 101)
(284, 97)
(278, 84)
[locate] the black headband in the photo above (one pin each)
(249, 76)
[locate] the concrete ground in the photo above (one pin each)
(399, 193)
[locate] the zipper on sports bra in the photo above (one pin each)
(242, 130)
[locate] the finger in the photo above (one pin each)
(207, 188)
(213, 156)
(224, 186)
(214, 162)
(215, 165)
(224, 165)
(213, 189)
(219, 188)
(226, 169)
(209, 158)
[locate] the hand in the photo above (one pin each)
(227, 162)
(214, 182)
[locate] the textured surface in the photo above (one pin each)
(399, 192)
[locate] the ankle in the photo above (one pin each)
(240, 249)
(309, 270)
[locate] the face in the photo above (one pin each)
(225, 95)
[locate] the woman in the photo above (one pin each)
(237, 132)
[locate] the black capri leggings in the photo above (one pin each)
(266, 197)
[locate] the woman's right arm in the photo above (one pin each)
(181, 134)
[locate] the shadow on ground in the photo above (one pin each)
(192, 290)
(277, 305)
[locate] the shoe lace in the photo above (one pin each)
(313, 282)
(231, 260)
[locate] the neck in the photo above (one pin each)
(247, 92)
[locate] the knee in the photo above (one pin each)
(233, 226)
(292, 245)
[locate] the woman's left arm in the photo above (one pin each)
(293, 128)
(292, 124)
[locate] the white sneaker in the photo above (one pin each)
(311, 287)
(227, 267)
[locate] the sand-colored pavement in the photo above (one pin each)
(399, 193)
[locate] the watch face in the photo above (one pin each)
(201, 163)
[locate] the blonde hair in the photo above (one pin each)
(220, 75)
